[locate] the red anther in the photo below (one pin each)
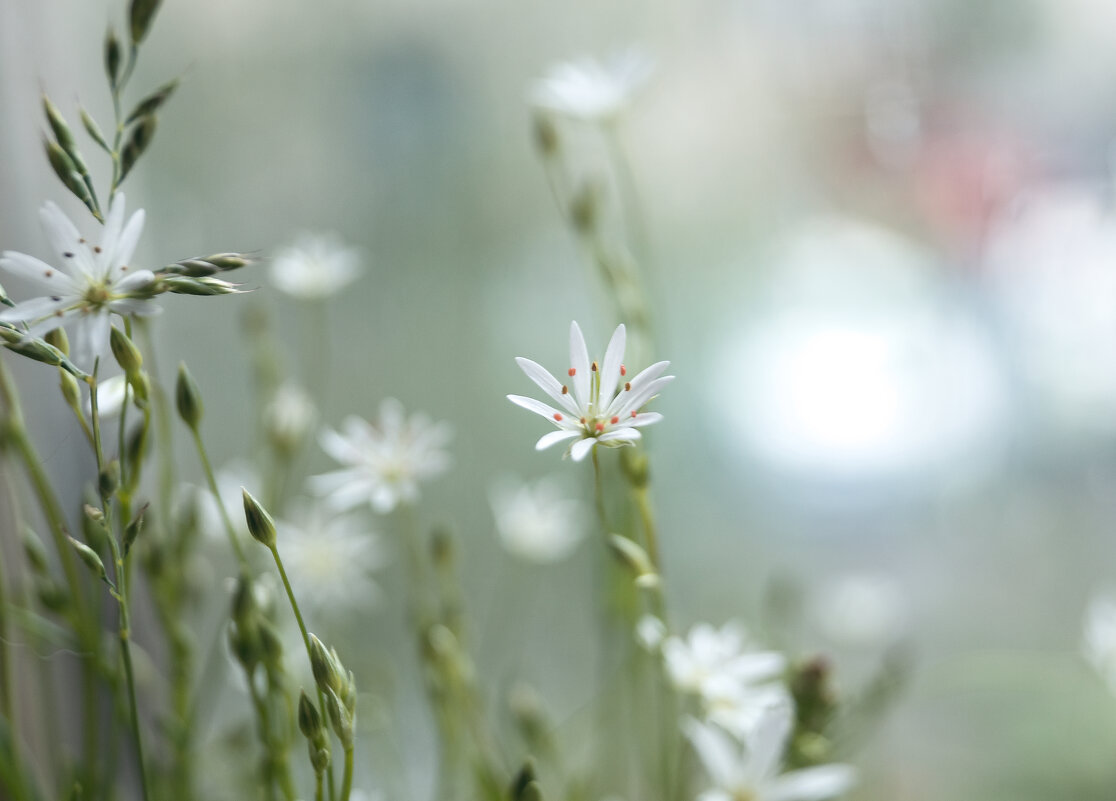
(573, 371)
(634, 412)
(600, 426)
(558, 416)
(615, 420)
(583, 421)
(628, 386)
(623, 370)
(49, 273)
(565, 390)
(593, 367)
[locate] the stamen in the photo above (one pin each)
(565, 390)
(56, 298)
(97, 249)
(573, 372)
(600, 426)
(628, 386)
(123, 268)
(623, 370)
(49, 273)
(615, 420)
(634, 412)
(593, 367)
(558, 416)
(82, 240)
(58, 313)
(583, 421)
(68, 254)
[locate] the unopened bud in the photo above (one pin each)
(89, 556)
(546, 135)
(260, 524)
(109, 479)
(35, 552)
(125, 352)
(71, 390)
(326, 667)
(56, 337)
(112, 56)
(188, 398)
(631, 555)
(132, 532)
(341, 719)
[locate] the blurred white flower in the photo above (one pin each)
(94, 282)
(715, 664)
(592, 91)
(315, 266)
(384, 463)
(860, 610)
(537, 522)
(330, 558)
(110, 397)
(230, 479)
(1098, 643)
(753, 772)
(289, 417)
(600, 409)
(650, 632)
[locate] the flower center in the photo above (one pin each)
(97, 295)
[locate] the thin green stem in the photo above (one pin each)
(347, 776)
(317, 787)
(122, 593)
(211, 480)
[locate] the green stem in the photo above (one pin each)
(122, 597)
(263, 722)
(317, 787)
(347, 776)
(211, 480)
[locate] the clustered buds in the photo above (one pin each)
(339, 689)
(38, 349)
(312, 728)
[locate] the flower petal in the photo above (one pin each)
(620, 434)
(553, 438)
(35, 309)
(644, 419)
(52, 281)
(129, 237)
(130, 282)
(579, 363)
(67, 242)
(632, 401)
(610, 369)
(548, 384)
(717, 752)
(811, 784)
(536, 406)
(114, 223)
(581, 448)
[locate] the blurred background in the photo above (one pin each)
(882, 261)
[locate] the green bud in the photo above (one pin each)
(136, 448)
(67, 172)
(137, 143)
(636, 466)
(523, 777)
(141, 386)
(585, 207)
(271, 647)
(151, 103)
(51, 594)
(93, 528)
(94, 130)
(125, 352)
(71, 391)
(203, 286)
(35, 552)
(243, 601)
(33, 347)
(89, 556)
(319, 758)
(63, 134)
(245, 647)
(309, 721)
(531, 792)
(140, 15)
(56, 337)
(132, 532)
(631, 555)
(188, 398)
(109, 479)
(112, 56)
(545, 135)
(341, 719)
(327, 669)
(260, 524)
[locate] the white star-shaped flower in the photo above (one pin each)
(753, 773)
(537, 522)
(603, 407)
(384, 463)
(315, 266)
(592, 91)
(93, 283)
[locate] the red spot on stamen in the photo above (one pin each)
(573, 371)
(593, 367)
(623, 370)
(558, 416)
(634, 413)
(565, 390)
(600, 426)
(615, 420)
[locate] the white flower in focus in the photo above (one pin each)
(860, 610)
(753, 773)
(289, 417)
(592, 91)
(384, 463)
(537, 522)
(600, 409)
(93, 283)
(715, 664)
(330, 558)
(315, 266)
(1098, 643)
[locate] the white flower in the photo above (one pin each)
(1098, 644)
(94, 282)
(600, 409)
(289, 417)
(329, 558)
(650, 632)
(385, 463)
(537, 521)
(714, 664)
(110, 397)
(315, 266)
(752, 773)
(589, 90)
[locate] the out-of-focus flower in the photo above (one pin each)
(315, 266)
(713, 663)
(590, 90)
(1098, 643)
(230, 478)
(330, 558)
(753, 772)
(384, 463)
(110, 396)
(600, 409)
(860, 610)
(289, 417)
(537, 522)
(94, 282)
(650, 632)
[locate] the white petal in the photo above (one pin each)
(66, 240)
(384, 498)
(129, 282)
(581, 448)
(579, 363)
(767, 742)
(536, 406)
(624, 434)
(634, 400)
(717, 752)
(52, 281)
(548, 384)
(610, 369)
(811, 784)
(114, 222)
(135, 307)
(337, 446)
(644, 419)
(126, 246)
(644, 377)
(553, 438)
(35, 309)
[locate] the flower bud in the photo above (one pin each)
(341, 719)
(125, 352)
(545, 134)
(131, 533)
(309, 721)
(109, 479)
(35, 551)
(94, 130)
(71, 391)
(142, 134)
(140, 15)
(56, 337)
(326, 667)
(89, 556)
(188, 398)
(260, 524)
(112, 56)
(631, 555)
